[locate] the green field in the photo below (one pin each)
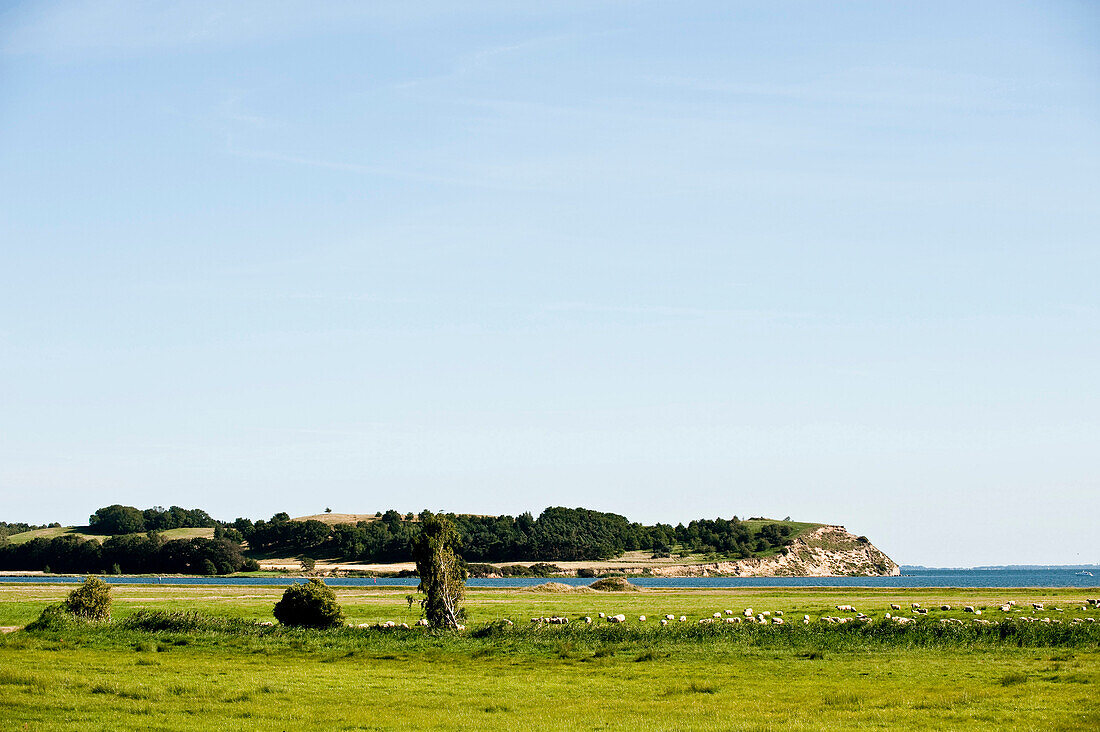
(634, 676)
(83, 533)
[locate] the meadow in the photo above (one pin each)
(224, 670)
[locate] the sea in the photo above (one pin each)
(910, 577)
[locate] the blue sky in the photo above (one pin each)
(837, 261)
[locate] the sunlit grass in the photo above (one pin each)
(231, 676)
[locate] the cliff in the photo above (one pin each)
(826, 551)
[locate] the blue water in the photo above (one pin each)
(912, 578)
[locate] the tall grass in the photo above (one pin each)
(185, 627)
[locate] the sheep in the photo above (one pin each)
(777, 621)
(779, 613)
(683, 618)
(641, 618)
(945, 607)
(895, 607)
(748, 612)
(1037, 606)
(620, 618)
(729, 612)
(716, 615)
(601, 615)
(916, 605)
(423, 622)
(664, 621)
(968, 609)
(733, 620)
(587, 620)
(670, 617)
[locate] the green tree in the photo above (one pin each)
(117, 519)
(309, 605)
(90, 601)
(442, 572)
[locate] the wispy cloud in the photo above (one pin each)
(469, 63)
(113, 26)
(674, 311)
(904, 87)
(369, 170)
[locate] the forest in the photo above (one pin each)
(133, 542)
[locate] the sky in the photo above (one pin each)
(833, 261)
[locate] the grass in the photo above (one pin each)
(206, 664)
(82, 532)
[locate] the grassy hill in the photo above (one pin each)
(83, 533)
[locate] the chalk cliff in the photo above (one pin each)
(826, 551)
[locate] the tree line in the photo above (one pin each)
(118, 519)
(557, 534)
(127, 554)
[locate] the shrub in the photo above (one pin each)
(478, 569)
(613, 584)
(183, 621)
(90, 601)
(52, 617)
(310, 605)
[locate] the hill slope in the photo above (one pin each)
(825, 551)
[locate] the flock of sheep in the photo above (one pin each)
(769, 617)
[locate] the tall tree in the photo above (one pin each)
(442, 574)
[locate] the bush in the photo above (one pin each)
(309, 605)
(90, 601)
(52, 617)
(185, 621)
(613, 584)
